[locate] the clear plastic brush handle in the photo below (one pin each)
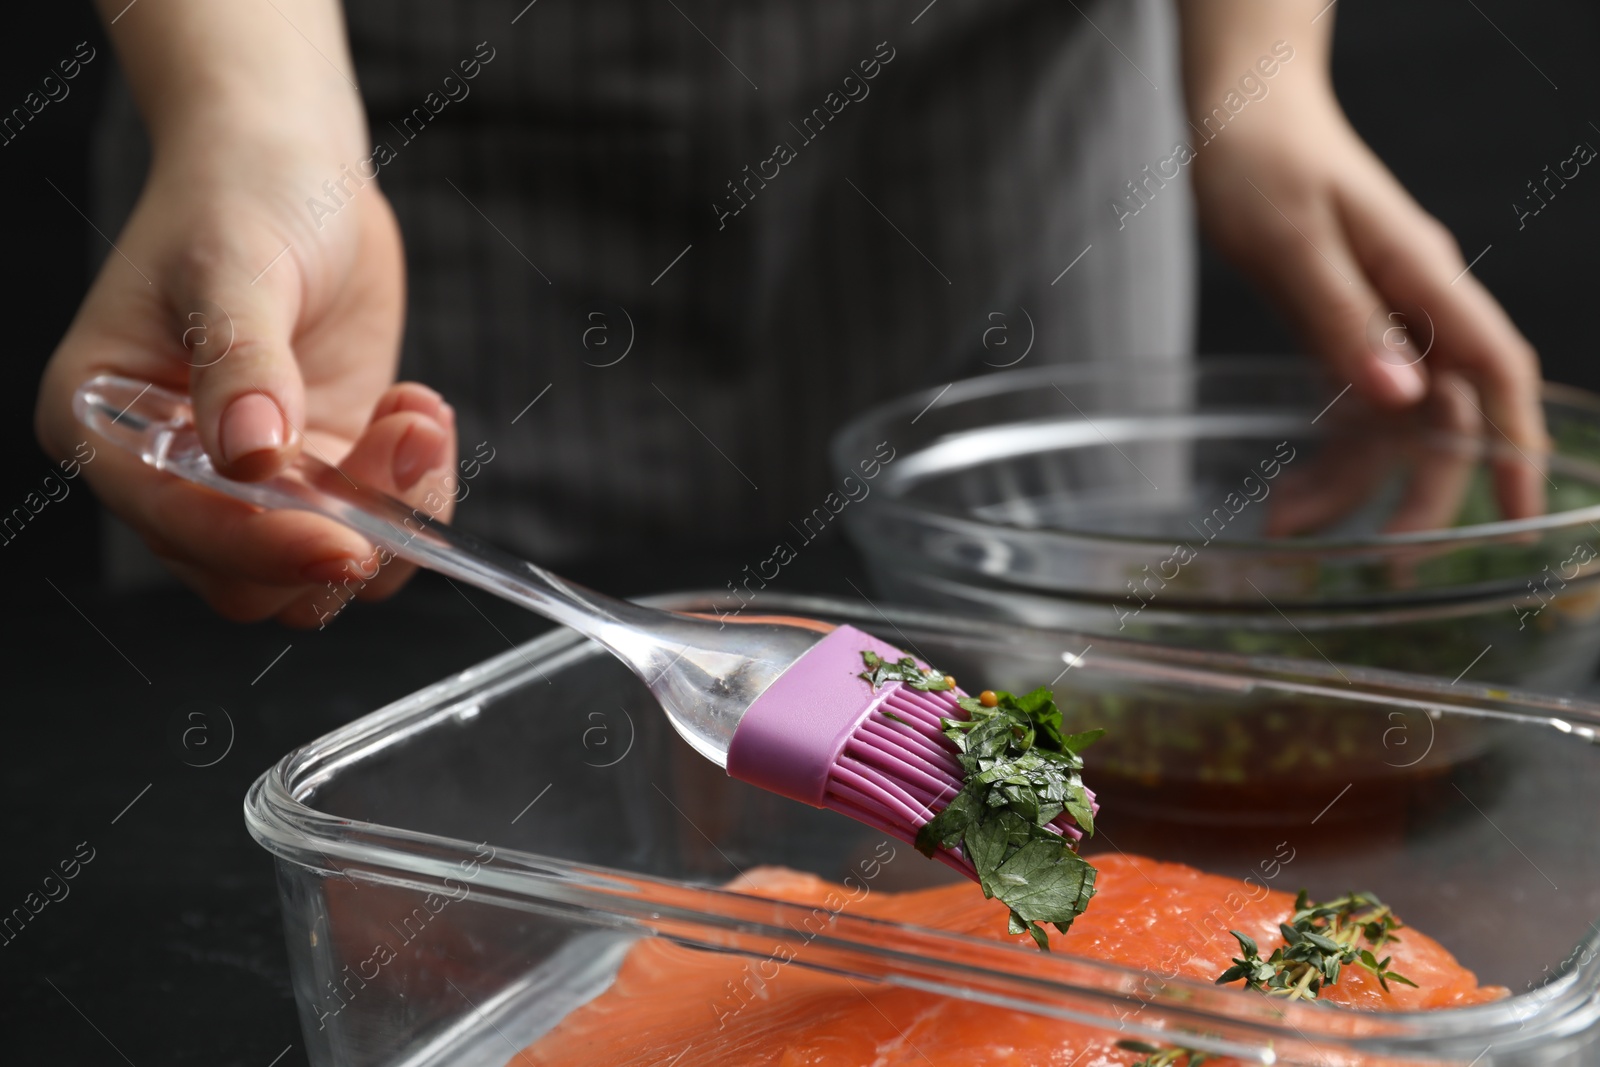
(704, 673)
(158, 426)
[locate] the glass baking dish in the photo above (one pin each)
(461, 869)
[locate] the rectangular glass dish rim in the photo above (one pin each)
(282, 821)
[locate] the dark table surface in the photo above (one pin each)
(137, 724)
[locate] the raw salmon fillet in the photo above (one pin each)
(675, 1005)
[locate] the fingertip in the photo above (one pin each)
(1520, 487)
(1397, 384)
(253, 437)
(411, 396)
(420, 449)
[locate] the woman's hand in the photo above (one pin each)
(297, 354)
(1375, 286)
(284, 333)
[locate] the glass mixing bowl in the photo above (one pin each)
(1237, 504)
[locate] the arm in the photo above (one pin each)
(283, 328)
(1290, 193)
(199, 68)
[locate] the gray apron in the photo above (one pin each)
(659, 249)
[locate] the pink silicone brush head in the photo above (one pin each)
(823, 735)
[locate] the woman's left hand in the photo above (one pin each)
(1374, 285)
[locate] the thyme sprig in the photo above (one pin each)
(1156, 1056)
(1319, 940)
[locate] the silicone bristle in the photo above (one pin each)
(898, 769)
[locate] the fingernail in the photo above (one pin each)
(251, 424)
(327, 570)
(1408, 382)
(415, 453)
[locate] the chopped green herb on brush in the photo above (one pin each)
(1019, 772)
(880, 670)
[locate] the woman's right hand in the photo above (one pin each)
(285, 333)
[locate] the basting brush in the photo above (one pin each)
(782, 703)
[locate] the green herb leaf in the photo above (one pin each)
(1081, 741)
(1077, 805)
(904, 670)
(1042, 881)
(1020, 772)
(988, 842)
(945, 829)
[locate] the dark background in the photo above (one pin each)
(168, 948)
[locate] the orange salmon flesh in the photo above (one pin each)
(672, 1001)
